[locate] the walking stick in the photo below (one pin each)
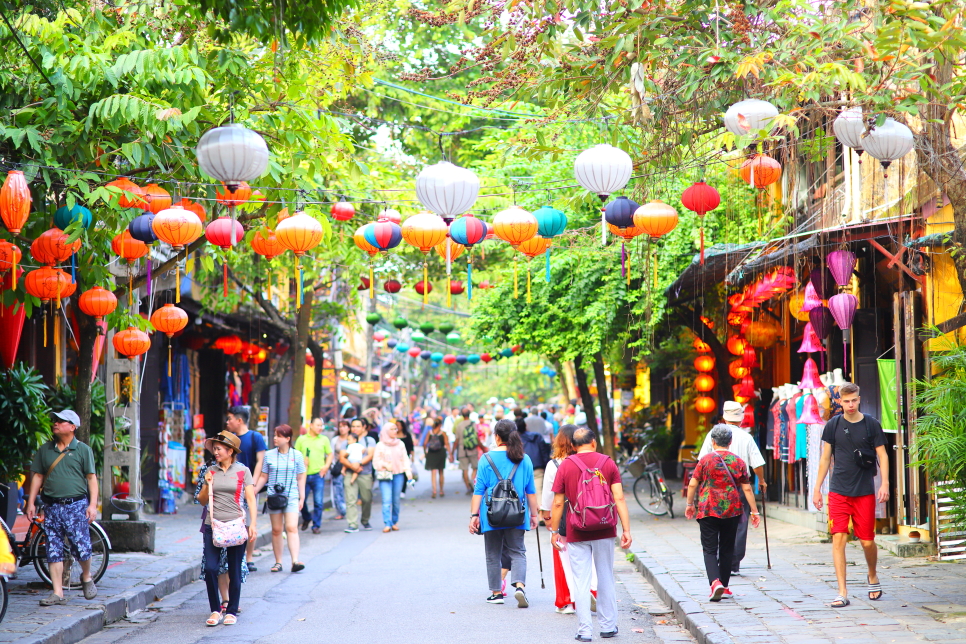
(540, 556)
(764, 523)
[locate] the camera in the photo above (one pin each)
(279, 488)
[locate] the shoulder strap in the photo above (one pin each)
(54, 464)
(494, 467)
(513, 471)
(728, 470)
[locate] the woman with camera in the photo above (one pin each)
(283, 473)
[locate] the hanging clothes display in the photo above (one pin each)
(814, 448)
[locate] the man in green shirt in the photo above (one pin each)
(317, 450)
(64, 469)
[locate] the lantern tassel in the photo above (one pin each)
(177, 281)
(629, 269)
(469, 279)
(516, 288)
(701, 231)
(169, 357)
(224, 278)
(547, 258)
(45, 324)
(13, 259)
(529, 299)
(603, 227)
(372, 281)
(149, 276)
(449, 291)
(130, 289)
(73, 268)
(623, 260)
(425, 283)
(655, 269)
(301, 281)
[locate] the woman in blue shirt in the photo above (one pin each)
(497, 541)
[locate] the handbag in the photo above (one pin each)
(384, 475)
(226, 534)
(279, 500)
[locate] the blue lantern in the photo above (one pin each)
(402, 347)
(391, 343)
(620, 212)
(141, 230)
(425, 355)
(473, 358)
(461, 359)
(506, 353)
(383, 234)
(436, 357)
(551, 223)
(65, 216)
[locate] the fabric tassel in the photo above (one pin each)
(547, 256)
(529, 299)
(45, 324)
(655, 269)
(449, 292)
(73, 268)
(169, 357)
(372, 281)
(628, 270)
(425, 283)
(623, 260)
(149, 276)
(224, 279)
(469, 279)
(177, 280)
(301, 282)
(269, 283)
(516, 287)
(130, 289)
(603, 227)
(13, 278)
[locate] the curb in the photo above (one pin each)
(688, 612)
(70, 630)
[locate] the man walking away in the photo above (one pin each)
(744, 447)
(317, 450)
(252, 456)
(591, 528)
(854, 441)
(534, 445)
(536, 424)
(361, 488)
(63, 468)
(465, 448)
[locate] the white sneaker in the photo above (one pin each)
(567, 610)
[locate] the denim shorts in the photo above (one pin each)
(293, 506)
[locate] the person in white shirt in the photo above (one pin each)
(742, 445)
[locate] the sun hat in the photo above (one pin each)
(732, 411)
(225, 438)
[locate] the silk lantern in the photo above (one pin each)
(194, 207)
(656, 218)
(737, 370)
(703, 382)
(603, 170)
(178, 228)
(15, 201)
(141, 229)
(531, 248)
(812, 300)
(736, 345)
(550, 223)
(169, 319)
(763, 333)
(235, 196)
(299, 233)
(842, 307)
(821, 319)
(468, 231)
(402, 347)
(486, 357)
(747, 389)
(810, 415)
(415, 352)
(232, 154)
(705, 405)
(453, 338)
(704, 363)
(795, 303)
(841, 263)
(97, 302)
(132, 195)
(156, 198)
(750, 116)
(447, 189)
(749, 359)
(342, 211)
(849, 128)
(461, 359)
(701, 199)
(425, 355)
(131, 342)
(10, 256)
(224, 232)
(265, 243)
(51, 247)
(823, 281)
(810, 341)
(887, 142)
(64, 216)
(229, 344)
(424, 230)
(449, 358)
(391, 214)
(392, 286)
(620, 213)
(449, 251)
(423, 288)
(760, 171)
(46, 284)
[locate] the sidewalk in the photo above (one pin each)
(923, 600)
(133, 580)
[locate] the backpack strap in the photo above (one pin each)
(494, 467)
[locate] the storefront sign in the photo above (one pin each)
(370, 387)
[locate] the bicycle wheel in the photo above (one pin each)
(3, 597)
(668, 500)
(100, 557)
(651, 503)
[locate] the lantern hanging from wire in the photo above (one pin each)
(515, 226)
(229, 344)
(156, 198)
(392, 286)
(736, 345)
(142, 229)
(703, 382)
(131, 342)
(810, 415)
(64, 216)
(52, 247)
(737, 370)
(10, 256)
(97, 302)
(747, 389)
(359, 237)
(447, 189)
(130, 250)
(265, 243)
(391, 214)
(811, 343)
(795, 303)
(842, 307)
(15, 201)
(657, 219)
(704, 363)
(233, 197)
(449, 251)
(750, 116)
(603, 170)
(178, 228)
(888, 142)
(232, 154)
(468, 231)
(811, 299)
(342, 210)
(423, 288)
(170, 319)
(620, 214)
(810, 377)
(299, 233)
(705, 405)
(46, 284)
(131, 196)
(531, 248)
(763, 333)
(194, 207)
(701, 199)
(823, 281)
(550, 223)
(760, 171)
(424, 230)
(849, 128)
(224, 232)
(841, 263)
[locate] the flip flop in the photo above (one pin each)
(875, 588)
(840, 602)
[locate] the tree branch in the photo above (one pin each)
(266, 305)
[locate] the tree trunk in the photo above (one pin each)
(294, 418)
(571, 381)
(276, 373)
(565, 394)
(586, 399)
(319, 356)
(370, 347)
(85, 371)
(603, 397)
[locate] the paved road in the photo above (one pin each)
(425, 583)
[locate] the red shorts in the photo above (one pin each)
(861, 509)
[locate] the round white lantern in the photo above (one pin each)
(849, 126)
(890, 141)
(603, 169)
(232, 154)
(447, 189)
(750, 116)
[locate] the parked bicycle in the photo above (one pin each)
(652, 493)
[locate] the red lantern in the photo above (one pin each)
(131, 342)
(414, 352)
(705, 405)
(136, 198)
(423, 290)
(229, 344)
(736, 370)
(704, 382)
(232, 198)
(750, 358)
(456, 287)
(736, 345)
(169, 319)
(266, 244)
(392, 286)
(342, 211)
(259, 358)
(702, 199)
(701, 346)
(224, 232)
(15, 201)
(737, 397)
(486, 357)
(98, 303)
(485, 284)
(46, 283)
(704, 363)
(69, 289)
(449, 358)
(157, 198)
(51, 247)
(760, 171)
(747, 387)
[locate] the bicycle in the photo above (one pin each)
(657, 499)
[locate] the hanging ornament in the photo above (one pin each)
(705, 404)
(449, 358)
(795, 303)
(841, 263)
(821, 320)
(486, 357)
(747, 389)
(194, 207)
(15, 201)
(424, 230)
(46, 284)
(701, 199)
(763, 333)
(736, 345)
(531, 248)
(10, 256)
(461, 359)
(515, 225)
(51, 247)
(810, 415)
(749, 359)
(229, 344)
(131, 196)
(449, 250)
(737, 370)
(888, 142)
(169, 319)
(415, 352)
(446, 189)
(703, 382)
(810, 340)
(760, 171)
(810, 378)
(453, 338)
(425, 355)
(423, 290)
(550, 223)
(392, 286)
(656, 218)
(383, 234)
(178, 228)
(232, 154)
(97, 302)
(128, 248)
(233, 197)
(456, 287)
(704, 363)
(156, 198)
(400, 322)
(750, 116)
(64, 217)
(821, 278)
(842, 307)
(224, 232)
(299, 233)
(603, 170)
(620, 212)
(748, 419)
(131, 342)
(391, 214)
(812, 299)
(849, 128)
(342, 210)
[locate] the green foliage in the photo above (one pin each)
(23, 406)
(518, 377)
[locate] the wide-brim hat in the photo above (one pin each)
(733, 411)
(225, 438)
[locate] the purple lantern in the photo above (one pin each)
(843, 308)
(821, 278)
(841, 263)
(821, 319)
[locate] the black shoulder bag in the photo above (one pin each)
(864, 457)
(503, 506)
(279, 500)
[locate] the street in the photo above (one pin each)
(425, 583)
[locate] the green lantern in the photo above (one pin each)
(453, 338)
(427, 327)
(400, 323)
(373, 318)
(446, 327)
(417, 336)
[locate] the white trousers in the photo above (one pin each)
(585, 557)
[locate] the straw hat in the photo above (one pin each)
(225, 438)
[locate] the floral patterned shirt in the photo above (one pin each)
(717, 496)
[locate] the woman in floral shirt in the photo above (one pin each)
(716, 480)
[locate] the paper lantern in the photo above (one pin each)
(132, 195)
(359, 237)
(842, 308)
(704, 363)
(194, 207)
(849, 128)
(299, 233)
(810, 415)
(10, 256)
(468, 230)
(392, 286)
(704, 382)
(266, 244)
(821, 320)
(812, 299)
(449, 358)
(447, 189)
(550, 221)
(126, 247)
(841, 263)
(229, 344)
(625, 233)
(736, 345)
(342, 211)
(177, 227)
(259, 357)
(456, 287)
(887, 142)
(69, 289)
(97, 302)
(656, 218)
(131, 342)
(51, 247)
(384, 234)
(65, 216)
(392, 343)
(424, 230)
(701, 199)
(437, 357)
(46, 283)
(461, 359)
(701, 346)
(169, 319)
(486, 357)
(232, 153)
(423, 288)
(603, 170)
(15, 201)
(620, 212)
(455, 250)
(821, 278)
(763, 333)
(234, 197)
(705, 405)
(515, 225)
(750, 116)
(506, 353)
(391, 214)
(747, 389)
(760, 171)
(224, 232)
(142, 228)
(738, 398)
(425, 355)
(795, 303)
(534, 246)
(414, 352)
(810, 341)
(454, 338)
(736, 370)
(156, 198)
(810, 377)
(446, 327)
(379, 336)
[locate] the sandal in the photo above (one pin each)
(387, 529)
(395, 528)
(433, 496)
(224, 608)
(840, 602)
(214, 620)
(873, 589)
(298, 566)
(277, 567)
(338, 517)
(230, 620)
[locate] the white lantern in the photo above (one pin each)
(603, 170)
(447, 189)
(750, 116)
(849, 126)
(232, 154)
(890, 141)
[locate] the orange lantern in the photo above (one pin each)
(259, 357)
(46, 284)
(656, 218)
(360, 239)
(178, 227)
(736, 318)
(739, 398)
(229, 344)
(131, 342)
(231, 198)
(69, 289)
(267, 245)
(15, 201)
(10, 256)
(737, 370)
(127, 247)
(705, 405)
(194, 207)
(532, 247)
(763, 333)
(51, 247)
(701, 346)
(156, 197)
(424, 230)
(760, 170)
(704, 363)
(515, 225)
(795, 304)
(98, 302)
(169, 319)
(299, 233)
(127, 186)
(736, 345)
(704, 382)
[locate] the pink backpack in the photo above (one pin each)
(594, 508)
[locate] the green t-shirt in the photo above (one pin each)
(69, 478)
(316, 449)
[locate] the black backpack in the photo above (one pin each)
(434, 443)
(504, 508)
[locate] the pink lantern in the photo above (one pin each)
(821, 278)
(810, 341)
(821, 320)
(379, 336)
(812, 299)
(747, 387)
(841, 263)
(843, 308)
(414, 352)
(810, 379)
(810, 415)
